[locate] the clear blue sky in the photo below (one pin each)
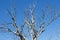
(51, 30)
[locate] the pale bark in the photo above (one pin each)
(35, 39)
(21, 37)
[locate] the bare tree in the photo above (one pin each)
(31, 23)
(5, 27)
(34, 33)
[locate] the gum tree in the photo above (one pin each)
(30, 21)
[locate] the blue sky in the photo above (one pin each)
(21, 5)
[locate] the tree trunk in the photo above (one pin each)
(21, 37)
(35, 38)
